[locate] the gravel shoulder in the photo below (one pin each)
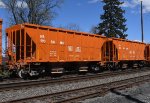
(137, 94)
(28, 92)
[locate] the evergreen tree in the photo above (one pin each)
(113, 21)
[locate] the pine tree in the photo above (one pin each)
(113, 21)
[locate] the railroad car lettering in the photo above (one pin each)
(78, 49)
(71, 55)
(42, 39)
(70, 48)
(62, 42)
(53, 53)
(53, 42)
(130, 52)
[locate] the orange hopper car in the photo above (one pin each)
(147, 53)
(34, 50)
(121, 53)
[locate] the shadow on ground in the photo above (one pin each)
(126, 96)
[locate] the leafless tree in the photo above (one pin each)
(94, 30)
(71, 26)
(32, 11)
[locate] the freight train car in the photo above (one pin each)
(121, 53)
(147, 54)
(34, 49)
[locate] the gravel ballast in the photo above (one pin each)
(28, 92)
(137, 94)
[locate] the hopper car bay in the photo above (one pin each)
(35, 50)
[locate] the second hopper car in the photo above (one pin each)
(121, 53)
(147, 54)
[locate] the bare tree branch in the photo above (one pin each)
(94, 30)
(71, 27)
(40, 12)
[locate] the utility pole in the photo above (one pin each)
(142, 22)
(1, 44)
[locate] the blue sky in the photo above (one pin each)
(86, 13)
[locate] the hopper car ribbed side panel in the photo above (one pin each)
(129, 50)
(33, 43)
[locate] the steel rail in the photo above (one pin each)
(87, 92)
(20, 85)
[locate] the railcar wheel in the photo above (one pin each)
(22, 74)
(33, 73)
(95, 68)
(1, 79)
(110, 67)
(141, 65)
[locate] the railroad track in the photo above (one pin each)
(86, 92)
(19, 85)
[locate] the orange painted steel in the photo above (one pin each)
(129, 50)
(147, 52)
(28, 43)
(34, 43)
(1, 42)
(117, 50)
